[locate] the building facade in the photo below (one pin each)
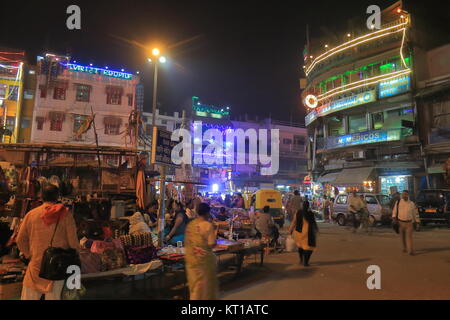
(17, 85)
(362, 116)
(68, 94)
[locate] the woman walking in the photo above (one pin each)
(200, 259)
(304, 229)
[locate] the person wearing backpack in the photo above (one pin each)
(405, 214)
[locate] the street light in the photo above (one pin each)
(155, 52)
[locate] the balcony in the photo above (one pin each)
(387, 38)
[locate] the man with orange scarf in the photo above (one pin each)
(34, 238)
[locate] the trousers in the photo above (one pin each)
(55, 294)
(406, 234)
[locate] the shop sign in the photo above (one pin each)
(363, 138)
(100, 71)
(341, 104)
(394, 86)
(162, 146)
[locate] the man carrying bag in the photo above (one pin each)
(404, 215)
(46, 231)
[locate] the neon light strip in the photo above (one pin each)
(370, 83)
(360, 81)
(358, 41)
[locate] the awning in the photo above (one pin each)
(351, 177)
(328, 178)
(428, 91)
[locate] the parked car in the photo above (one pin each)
(434, 206)
(377, 204)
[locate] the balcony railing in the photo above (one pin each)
(355, 49)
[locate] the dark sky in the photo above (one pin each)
(247, 55)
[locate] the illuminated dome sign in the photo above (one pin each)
(311, 101)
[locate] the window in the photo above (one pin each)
(341, 200)
(357, 123)
(114, 95)
(299, 142)
(83, 92)
(59, 93)
(10, 123)
(2, 91)
(43, 90)
(112, 125)
(371, 200)
(56, 121)
(25, 123)
(287, 141)
(163, 121)
(130, 100)
(391, 119)
(40, 123)
(336, 126)
(13, 93)
(78, 121)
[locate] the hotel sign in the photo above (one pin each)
(363, 138)
(100, 71)
(394, 86)
(341, 104)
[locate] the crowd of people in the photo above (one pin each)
(193, 225)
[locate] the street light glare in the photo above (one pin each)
(149, 60)
(155, 52)
(162, 59)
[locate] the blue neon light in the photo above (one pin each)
(100, 71)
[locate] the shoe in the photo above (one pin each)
(412, 254)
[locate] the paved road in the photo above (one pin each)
(338, 268)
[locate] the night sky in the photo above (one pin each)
(243, 54)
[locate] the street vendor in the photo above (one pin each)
(222, 215)
(178, 226)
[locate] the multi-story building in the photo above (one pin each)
(68, 94)
(433, 102)
(292, 157)
(17, 84)
(362, 115)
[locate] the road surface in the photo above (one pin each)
(339, 268)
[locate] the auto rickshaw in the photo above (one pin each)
(271, 198)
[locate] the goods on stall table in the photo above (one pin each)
(229, 245)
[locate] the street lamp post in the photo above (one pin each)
(162, 207)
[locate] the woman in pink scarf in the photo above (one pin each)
(34, 238)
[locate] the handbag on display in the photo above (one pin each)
(140, 254)
(55, 261)
(100, 246)
(112, 259)
(90, 262)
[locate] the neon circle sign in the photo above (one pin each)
(311, 101)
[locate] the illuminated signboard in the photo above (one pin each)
(364, 138)
(202, 110)
(394, 86)
(341, 104)
(100, 71)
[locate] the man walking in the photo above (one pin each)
(405, 213)
(294, 204)
(355, 206)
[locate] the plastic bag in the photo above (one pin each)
(290, 244)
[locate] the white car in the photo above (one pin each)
(377, 204)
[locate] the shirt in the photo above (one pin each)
(263, 223)
(407, 211)
(356, 203)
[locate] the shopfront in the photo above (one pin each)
(395, 183)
